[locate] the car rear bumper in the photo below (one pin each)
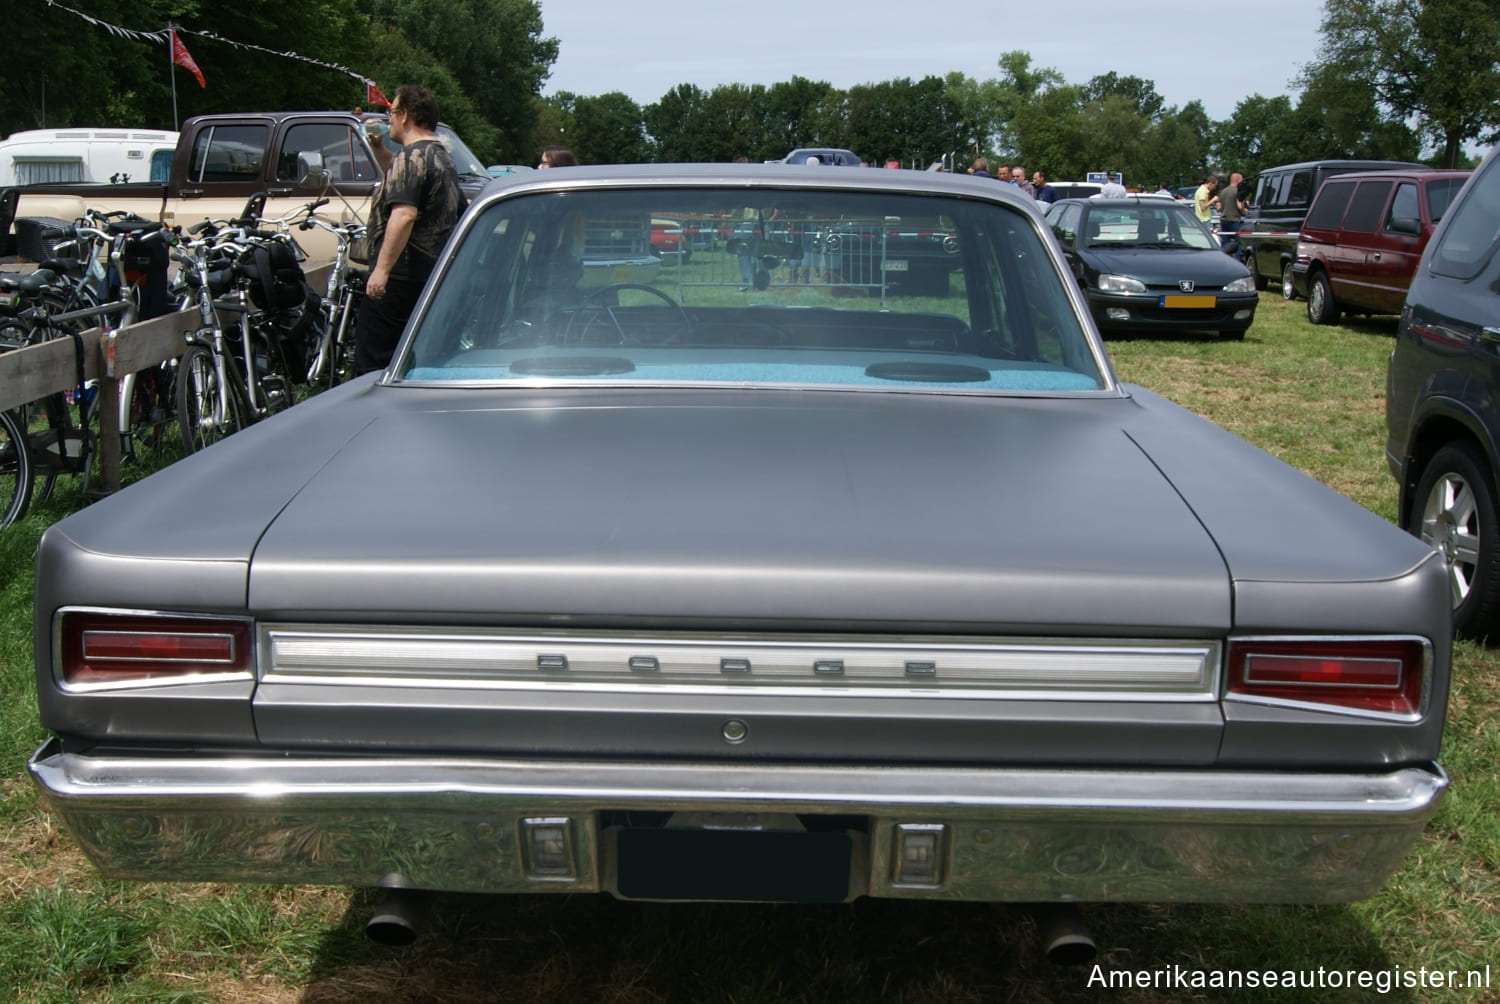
(507, 826)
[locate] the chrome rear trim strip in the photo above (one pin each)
(864, 664)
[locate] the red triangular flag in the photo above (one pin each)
(181, 58)
(373, 95)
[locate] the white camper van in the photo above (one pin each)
(87, 155)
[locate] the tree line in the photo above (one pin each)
(1393, 78)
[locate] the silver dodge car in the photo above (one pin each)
(757, 575)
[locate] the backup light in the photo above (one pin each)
(1384, 676)
(96, 647)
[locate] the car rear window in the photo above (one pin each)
(1367, 207)
(736, 287)
(1333, 199)
(1470, 237)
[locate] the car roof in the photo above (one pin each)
(1420, 173)
(775, 175)
(1143, 198)
(1347, 165)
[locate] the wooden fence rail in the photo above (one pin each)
(38, 370)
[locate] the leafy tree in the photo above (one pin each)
(792, 117)
(396, 61)
(607, 130)
(1435, 60)
(1140, 95)
(65, 71)
(495, 51)
(676, 125)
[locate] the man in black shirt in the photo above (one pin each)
(411, 215)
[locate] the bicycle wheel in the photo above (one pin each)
(198, 392)
(43, 436)
(145, 406)
(15, 469)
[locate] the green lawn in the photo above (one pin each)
(1312, 396)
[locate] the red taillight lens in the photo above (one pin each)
(1385, 676)
(95, 647)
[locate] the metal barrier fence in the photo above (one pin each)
(845, 257)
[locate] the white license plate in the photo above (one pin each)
(895, 265)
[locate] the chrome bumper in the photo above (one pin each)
(506, 826)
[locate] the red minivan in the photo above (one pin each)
(1363, 236)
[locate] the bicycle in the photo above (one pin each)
(231, 376)
(333, 361)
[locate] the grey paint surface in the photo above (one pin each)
(847, 519)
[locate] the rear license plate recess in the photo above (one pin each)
(773, 866)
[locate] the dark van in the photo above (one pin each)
(1442, 404)
(1268, 233)
(1363, 236)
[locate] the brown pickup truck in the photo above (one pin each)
(222, 160)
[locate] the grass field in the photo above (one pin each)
(1312, 396)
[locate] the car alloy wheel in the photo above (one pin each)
(1322, 308)
(1457, 517)
(1288, 288)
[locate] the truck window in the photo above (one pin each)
(344, 155)
(1265, 191)
(229, 153)
(1333, 199)
(1299, 190)
(1367, 208)
(1404, 205)
(1440, 193)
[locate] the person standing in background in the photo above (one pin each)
(1204, 199)
(412, 212)
(1231, 211)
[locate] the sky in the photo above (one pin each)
(1191, 50)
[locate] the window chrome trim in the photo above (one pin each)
(777, 664)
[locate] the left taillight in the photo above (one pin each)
(103, 648)
(1386, 676)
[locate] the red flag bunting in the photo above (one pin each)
(181, 58)
(374, 97)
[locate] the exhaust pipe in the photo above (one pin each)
(399, 915)
(1064, 937)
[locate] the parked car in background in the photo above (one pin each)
(1076, 189)
(1146, 263)
(632, 581)
(1442, 407)
(501, 170)
(669, 239)
(1363, 237)
(828, 156)
(1281, 196)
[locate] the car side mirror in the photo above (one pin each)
(310, 172)
(1405, 225)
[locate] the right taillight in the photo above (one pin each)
(1385, 676)
(97, 647)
